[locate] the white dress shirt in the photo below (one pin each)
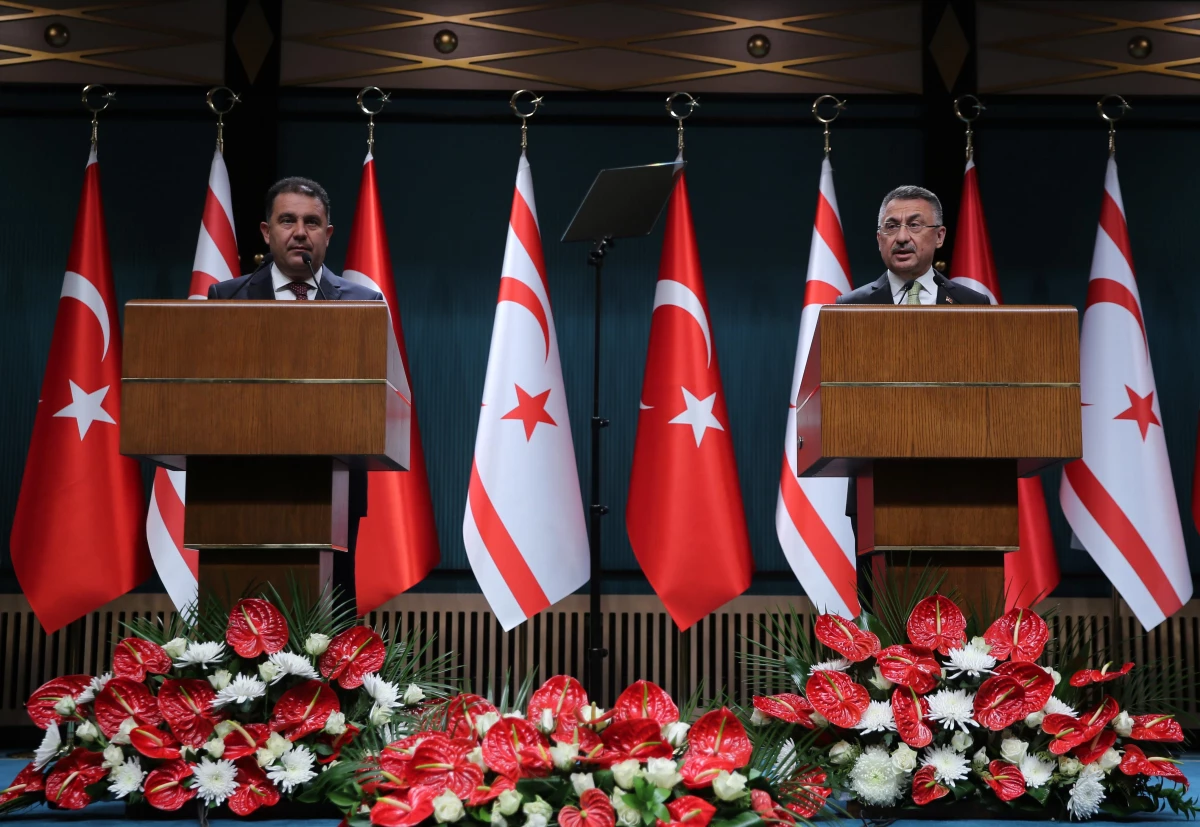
(927, 296)
(284, 293)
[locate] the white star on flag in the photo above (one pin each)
(698, 414)
(86, 408)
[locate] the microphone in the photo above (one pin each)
(940, 280)
(906, 289)
(308, 260)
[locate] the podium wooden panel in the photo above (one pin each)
(936, 411)
(267, 406)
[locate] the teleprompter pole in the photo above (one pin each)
(596, 511)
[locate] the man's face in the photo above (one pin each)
(298, 225)
(907, 253)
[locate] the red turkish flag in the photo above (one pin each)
(685, 517)
(1196, 484)
(1030, 573)
(77, 538)
(397, 541)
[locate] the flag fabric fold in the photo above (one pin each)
(397, 540)
(684, 515)
(524, 528)
(810, 514)
(1031, 572)
(77, 540)
(1120, 497)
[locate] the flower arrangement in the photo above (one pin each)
(921, 711)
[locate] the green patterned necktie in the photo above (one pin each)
(914, 293)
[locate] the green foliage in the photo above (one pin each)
(894, 594)
(787, 654)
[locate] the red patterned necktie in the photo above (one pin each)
(300, 288)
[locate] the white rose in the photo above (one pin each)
(65, 706)
(1055, 675)
(1110, 759)
(841, 753)
(189, 753)
(982, 645)
(960, 740)
(818, 719)
(904, 758)
(757, 718)
(220, 679)
(336, 724)
(475, 756)
(447, 808)
(264, 756)
(1034, 719)
(625, 772)
(545, 722)
(86, 732)
(268, 671)
(537, 807)
(627, 816)
(380, 715)
(497, 819)
(536, 820)
(591, 714)
(114, 756)
(1013, 750)
(215, 748)
(581, 782)
(564, 755)
(122, 736)
(316, 644)
(979, 760)
(676, 733)
(1068, 766)
(729, 785)
(509, 802)
(1122, 724)
(223, 728)
(277, 744)
(662, 772)
(880, 682)
(485, 722)
(176, 647)
(413, 695)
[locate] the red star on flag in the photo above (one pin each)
(530, 410)
(1140, 410)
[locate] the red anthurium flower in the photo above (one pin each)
(41, 703)
(1101, 716)
(795, 709)
(1067, 732)
(67, 782)
(562, 695)
(696, 812)
(1005, 779)
(244, 739)
(303, 710)
(1136, 762)
(1020, 634)
(720, 733)
(594, 810)
(1035, 680)
(461, 713)
(836, 696)
(484, 792)
(1102, 675)
(808, 790)
(1156, 728)
(643, 699)
(639, 738)
(28, 781)
(845, 638)
(1091, 750)
(910, 666)
(337, 742)
(395, 761)
(255, 627)
(122, 698)
(699, 771)
(405, 809)
(513, 747)
(355, 652)
(254, 789)
(442, 764)
(135, 657)
(999, 702)
(164, 787)
(152, 742)
(937, 623)
(909, 709)
(186, 704)
(926, 787)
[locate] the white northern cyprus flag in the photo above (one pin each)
(524, 529)
(1120, 498)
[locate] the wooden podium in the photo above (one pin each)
(268, 406)
(936, 411)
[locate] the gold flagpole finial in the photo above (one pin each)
(535, 100)
(384, 97)
(839, 106)
(691, 103)
(233, 99)
(1122, 109)
(104, 97)
(964, 102)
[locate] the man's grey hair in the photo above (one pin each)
(911, 193)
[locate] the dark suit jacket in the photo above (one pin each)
(880, 292)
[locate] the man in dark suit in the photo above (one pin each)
(297, 230)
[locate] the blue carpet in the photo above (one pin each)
(113, 815)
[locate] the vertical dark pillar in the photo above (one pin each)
(948, 70)
(252, 69)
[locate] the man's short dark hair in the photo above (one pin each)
(908, 193)
(297, 186)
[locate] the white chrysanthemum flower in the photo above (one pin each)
(93, 689)
(295, 768)
(51, 742)
(201, 653)
(241, 689)
(1086, 795)
(215, 780)
(1036, 771)
(878, 717)
(875, 779)
(289, 663)
(948, 764)
(1057, 706)
(970, 660)
(126, 778)
(385, 693)
(835, 665)
(953, 708)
